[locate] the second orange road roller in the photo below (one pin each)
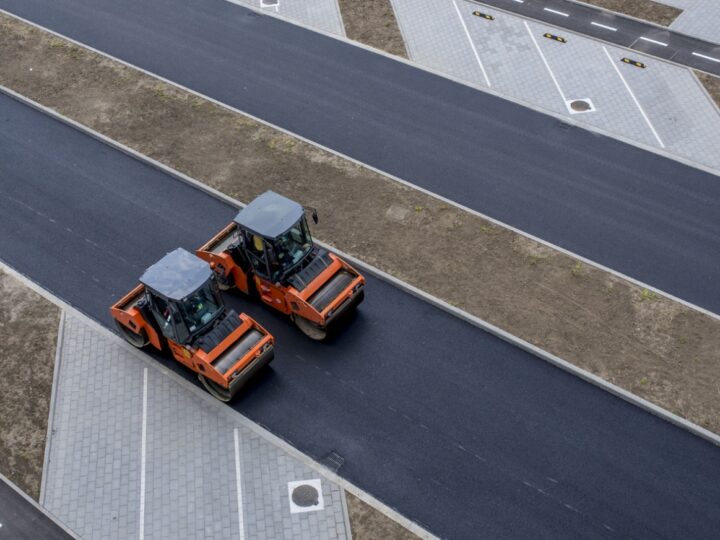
(268, 251)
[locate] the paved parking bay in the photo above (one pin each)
(700, 18)
(319, 14)
(134, 454)
(661, 105)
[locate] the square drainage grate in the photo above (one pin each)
(579, 106)
(305, 496)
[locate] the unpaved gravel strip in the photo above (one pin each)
(373, 23)
(647, 10)
(28, 334)
(368, 523)
(711, 84)
(663, 351)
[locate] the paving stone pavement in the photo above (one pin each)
(681, 118)
(700, 18)
(93, 476)
(321, 14)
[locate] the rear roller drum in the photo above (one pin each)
(217, 391)
(310, 329)
(133, 338)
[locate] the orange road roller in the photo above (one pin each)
(178, 307)
(267, 251)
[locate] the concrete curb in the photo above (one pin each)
(566, 119)
(649, 23)
(388, 176)
(233, 415)
(467, 317)
(39, 507)
(215, 193)
(53, 398)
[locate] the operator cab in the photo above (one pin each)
(183, 295)
(274, 235)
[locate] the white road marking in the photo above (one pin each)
(653, 41)
(238, 484)
(627, 86)
(604, 26)
(477, 56)
(519, 1)
(556, 12)
(557, 85)
(141, 534)
(706, 57)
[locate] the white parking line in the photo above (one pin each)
(238, 485)
(477, 56)
(557, 85)
(556, 12)
(653, 41)
(706, 57)
(604, 26)
(627, 86)
(141, 533)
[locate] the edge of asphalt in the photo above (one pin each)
(29, 499)
(53, 399)
(231, 414)
(566, 120)
(410, 289)
(643, 21)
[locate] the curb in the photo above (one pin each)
(39, 508)
(181, 176)
(233, 415)
(53, 400)
(441, 304)
(215, 193)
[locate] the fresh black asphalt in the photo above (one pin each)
(20, 519)
(628, 32)
(646, 216)
(456, 429)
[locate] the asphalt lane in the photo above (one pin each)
(458, 430)
(636, 212)
(624, 31)
(21, 519)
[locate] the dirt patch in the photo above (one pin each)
(663, 351)
(28, 333)
(647, 10)
(367, 523)
(373, 23)
(711, 84)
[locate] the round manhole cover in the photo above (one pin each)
(580, 105)
(305, 496)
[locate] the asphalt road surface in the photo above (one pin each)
(636, 212)
(458, 430)
(624, 31)
(21, 519)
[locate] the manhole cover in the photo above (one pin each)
(580, 105)
(305, 495)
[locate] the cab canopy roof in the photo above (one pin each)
(269, 215)
(176, 275)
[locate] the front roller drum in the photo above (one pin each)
(226, 394)
(310, 329)
(217, 391)
(138, 340)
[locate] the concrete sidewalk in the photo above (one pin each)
(134, 454)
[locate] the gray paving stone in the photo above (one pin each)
(700, 18)
(686, 121)
(93, 475)
(321, 14)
